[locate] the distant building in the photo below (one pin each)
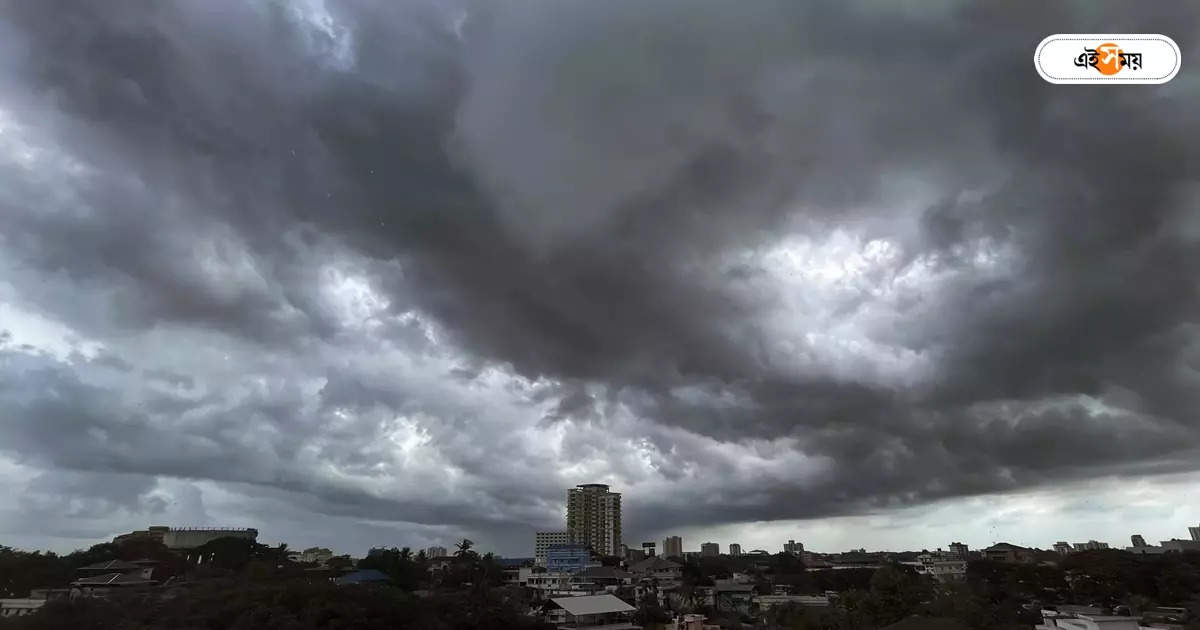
(192, 537)
(594, 517)
(959, 550)
(1005, 552)
(942, 567)
(317, 555)
(1091, 545)
(710, 550)
(1195, 533)
(156, 532)
(659, 568)
(648, 549)
(435, 552)
(1141, 548)
(793, 547)
(735, 549)
(1176, 545)
(1062, 547)
(541, 541)
(567, 558)
(672, 547)
(186, 537)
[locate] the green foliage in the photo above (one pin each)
(406, 571)
(291, 606)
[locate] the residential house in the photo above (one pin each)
(1005, 552)
(586, 612)
(659, 568)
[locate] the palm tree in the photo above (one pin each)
(464, 548)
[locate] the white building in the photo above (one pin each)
(435, 552)
(542, 542)
(942, 567)
(594, 517)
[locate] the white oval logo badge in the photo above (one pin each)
(1107, 58)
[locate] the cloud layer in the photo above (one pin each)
(412, 269)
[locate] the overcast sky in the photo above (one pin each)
(365, 273)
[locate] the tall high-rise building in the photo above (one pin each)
(672, 547)
(542, 542)
(1195, 532)
(792, 546)
(735, 549)
(959, 550)
(709, 550)
(594, 517)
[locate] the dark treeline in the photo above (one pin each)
(247, 585)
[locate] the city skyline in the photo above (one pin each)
(446, 259)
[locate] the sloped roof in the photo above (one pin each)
(111, 565)
(112, 579)
(592, 604)
(1005, 547)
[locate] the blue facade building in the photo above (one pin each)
(567, 558)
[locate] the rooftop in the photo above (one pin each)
(592, 604)
(111, 565)
(112, 579)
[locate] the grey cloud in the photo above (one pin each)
(583, 195)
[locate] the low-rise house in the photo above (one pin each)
(659, 568)
(1005, 552)
(594, 612)
(727, 595)
(942, 567)
(596, 579)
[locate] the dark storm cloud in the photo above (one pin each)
(582, 192)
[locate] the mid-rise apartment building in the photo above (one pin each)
(594, 517)
(672, 547)
(542, 542)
